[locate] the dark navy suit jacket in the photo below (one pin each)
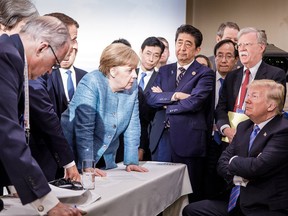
(56, 89)
(16, 163)
(232, 85)
(48, 144)
(190, 119)
(146, 113)
(265, 166)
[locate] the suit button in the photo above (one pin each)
(114, 126)
(40, 208)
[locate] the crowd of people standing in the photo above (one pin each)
(142, 107)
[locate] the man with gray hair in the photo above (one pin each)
(40, 45)
(251, 46)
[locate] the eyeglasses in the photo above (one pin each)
(239, 45)
(57, 65)
(227, 57)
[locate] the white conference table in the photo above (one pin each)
(163, 188)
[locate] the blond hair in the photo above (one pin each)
(117, 54)
(274, 91)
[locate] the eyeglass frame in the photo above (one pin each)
(57, 64)
(227, 57)
(245, 44)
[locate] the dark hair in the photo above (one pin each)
(67, 20)
(123, 41)
(206, 58)
(189, 29)
(222, 27)
(226, 41)
(153, 41)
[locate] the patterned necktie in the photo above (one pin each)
(70, 86)
(180, 76)
(235, 192)
(253, 135)
(141, 83)
(243, 92)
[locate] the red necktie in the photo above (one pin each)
(243, 91)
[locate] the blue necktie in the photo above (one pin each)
(217, 135)
(235, 192)
(253, 135)
(70, 86)
(141, 83)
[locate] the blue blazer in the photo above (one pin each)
(190, 119)
(16, 163)
(96, 117)
(56, 89)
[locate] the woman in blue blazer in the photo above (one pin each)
(104, 106)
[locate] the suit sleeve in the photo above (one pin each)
(45, 120)
(221, 112)
(273, 158)
(15, 155)
(198, 96)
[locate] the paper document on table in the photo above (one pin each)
(80, 198)
(235, 119)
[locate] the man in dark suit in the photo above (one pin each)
(150, 54)
(251, 46)
(255, 164)
(57, 81)
(183, 94)
(226, 56)
(48, 144)
(27, 56)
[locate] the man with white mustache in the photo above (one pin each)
(251, 46)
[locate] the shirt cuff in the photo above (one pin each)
(173, 97)
(69, 165)
(12, 189)
(232, 158)
(223, 127)
(45, 203)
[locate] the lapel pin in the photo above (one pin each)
(193, 73)
(265, 134)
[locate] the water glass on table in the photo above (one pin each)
(88, 174)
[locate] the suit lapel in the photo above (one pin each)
(58, 84)
(238, 81)
(192, 70)
(261, 71)
(264, 134)
(172, 73)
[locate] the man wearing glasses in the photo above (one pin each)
(251, 46)
(48, 145)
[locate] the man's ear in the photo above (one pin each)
(271, 107)
(42, 47)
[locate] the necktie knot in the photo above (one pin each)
(182, 69)
(180, 76)
(142, 83)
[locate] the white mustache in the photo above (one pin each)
(243, 53)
